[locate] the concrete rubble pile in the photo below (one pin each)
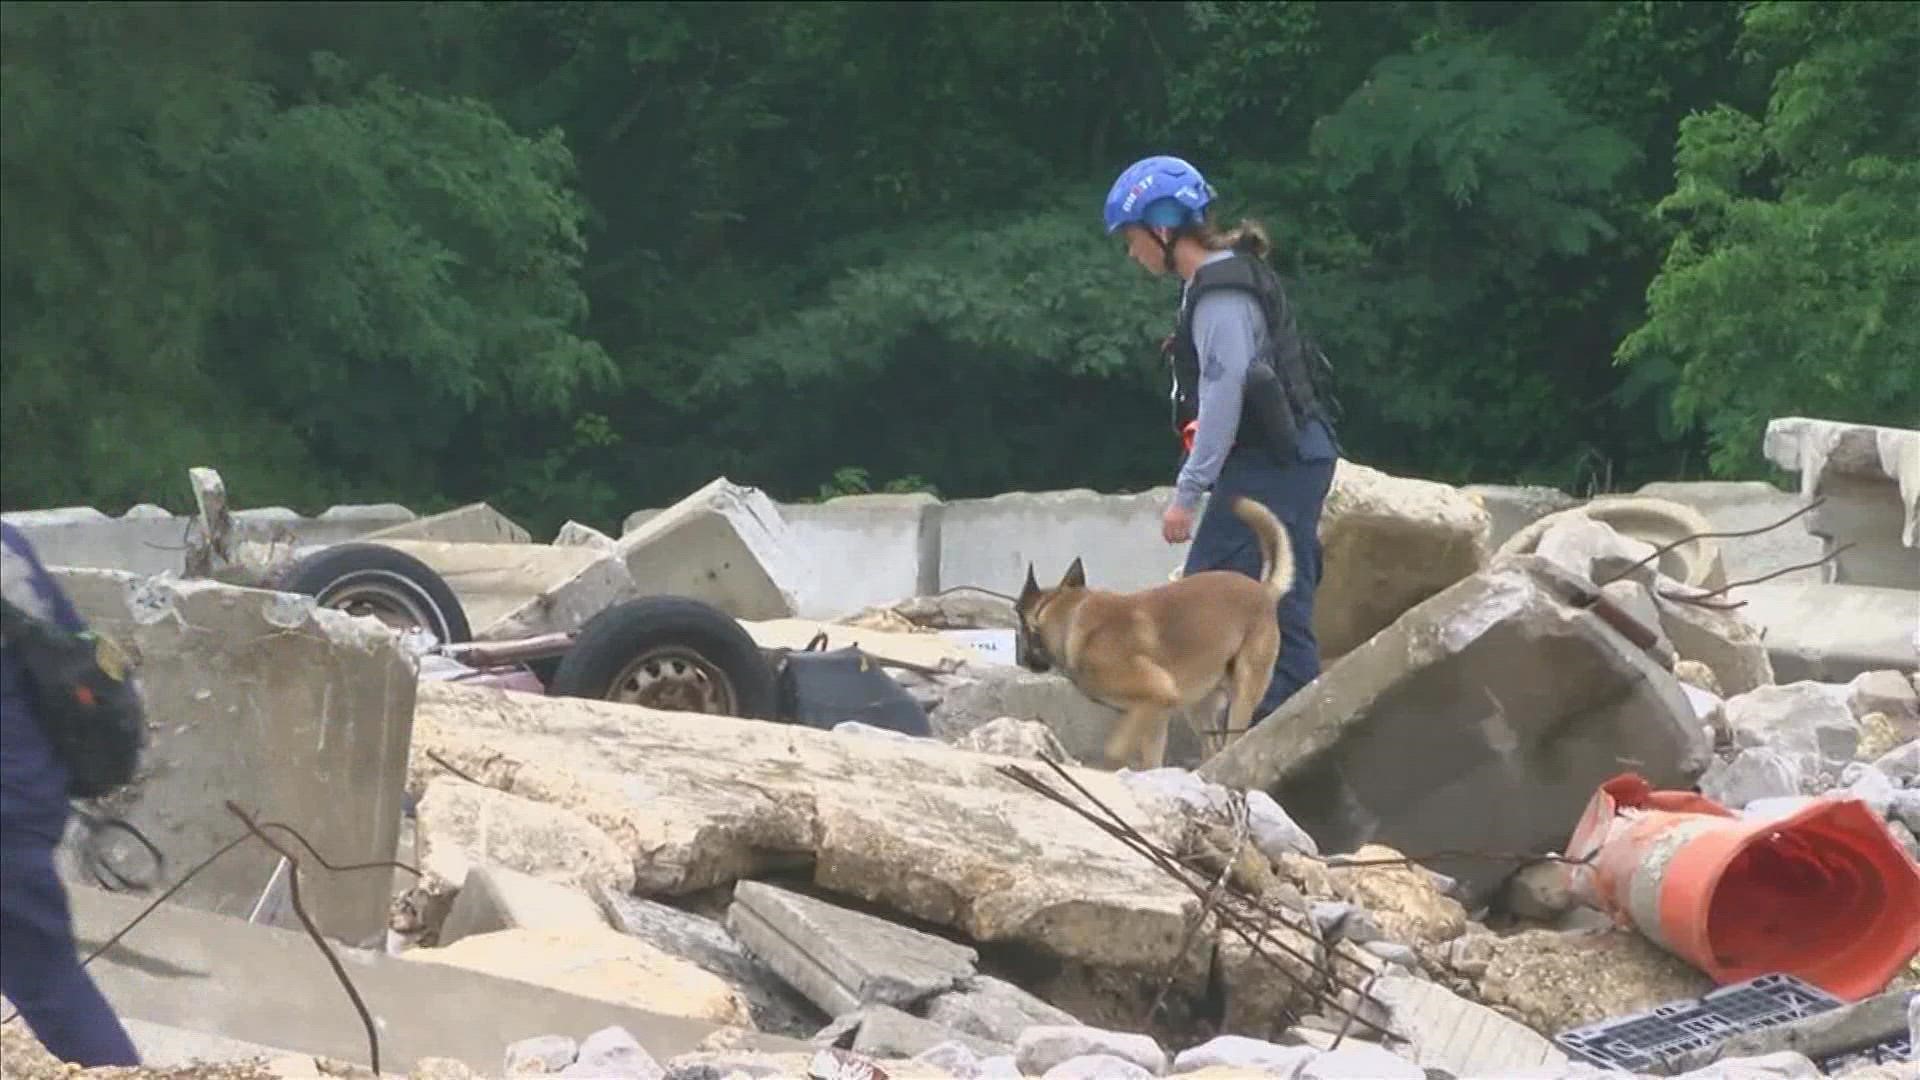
(1373, 883)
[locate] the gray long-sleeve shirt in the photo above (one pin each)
(1228, 332)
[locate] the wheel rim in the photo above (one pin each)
(391, 599)
(675, 679)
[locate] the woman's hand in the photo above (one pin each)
(1176, 525)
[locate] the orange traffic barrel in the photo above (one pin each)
(1825, 892)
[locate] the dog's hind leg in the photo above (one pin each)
(1250, 672)
(1140, 739)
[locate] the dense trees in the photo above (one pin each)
(577, 258)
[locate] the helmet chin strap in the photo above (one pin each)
(1166, 247)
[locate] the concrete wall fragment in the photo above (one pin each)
(1870, 478)
(148, 540)
(1482, 720)
(299, 714)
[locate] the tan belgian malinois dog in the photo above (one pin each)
(1171, 647)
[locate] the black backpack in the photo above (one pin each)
(82, 698)
(819, 688)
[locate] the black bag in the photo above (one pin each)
(82, 698)
(819, 687)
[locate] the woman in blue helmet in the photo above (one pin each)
(1245, 403)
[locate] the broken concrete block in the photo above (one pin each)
(935, 833)
(612, 1053)
(954, 1057)
(1877, 737)
(886, 1032)
(1809, 721)
(1465, 1038)
(1870, 479)
(1590, 549)
(1779, 1066)
(1482, 720)
(1238, 1052)
(1274, 833)
(841, 959)
(1725, 641)
(1541, 892)
(1633, 600)
(1699, 676)
(725, 544)
(1402, 899)
(993, 1009)
(294, 712)
(1642, 525)
(542, 1055)
(1388, 543)
(1753, 773)
(1902, 763)
(1834, 632)
(463, 825)
(495, 898)
(1042, 1048)
(1081, 724)
(599, 963)
(1888, 692)
(1510, 509)
(776, 1006)
(1015, 738)
(1870, 786)
(514, 591)
(474, 523)
(574, 534)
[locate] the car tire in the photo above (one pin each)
(668, 652)
(387, 580)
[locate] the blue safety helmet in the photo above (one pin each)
(1158, 191)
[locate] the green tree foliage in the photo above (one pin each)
(579, 258)
(1793, 287)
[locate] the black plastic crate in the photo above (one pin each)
(1641, 1042)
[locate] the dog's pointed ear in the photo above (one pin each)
(1031, 589)
(1076, 576)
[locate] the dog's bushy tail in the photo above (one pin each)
(1276, 551)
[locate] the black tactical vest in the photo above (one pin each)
(1284, 390)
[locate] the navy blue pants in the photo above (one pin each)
(39, 968)
(1223, 542)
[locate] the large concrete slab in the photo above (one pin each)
(299, 714)
(930, 831)
(725, 544)
(1834, 632)
(216, 975)
(148, 540)
(843, 959)
(1482, 720)
(517, 590)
